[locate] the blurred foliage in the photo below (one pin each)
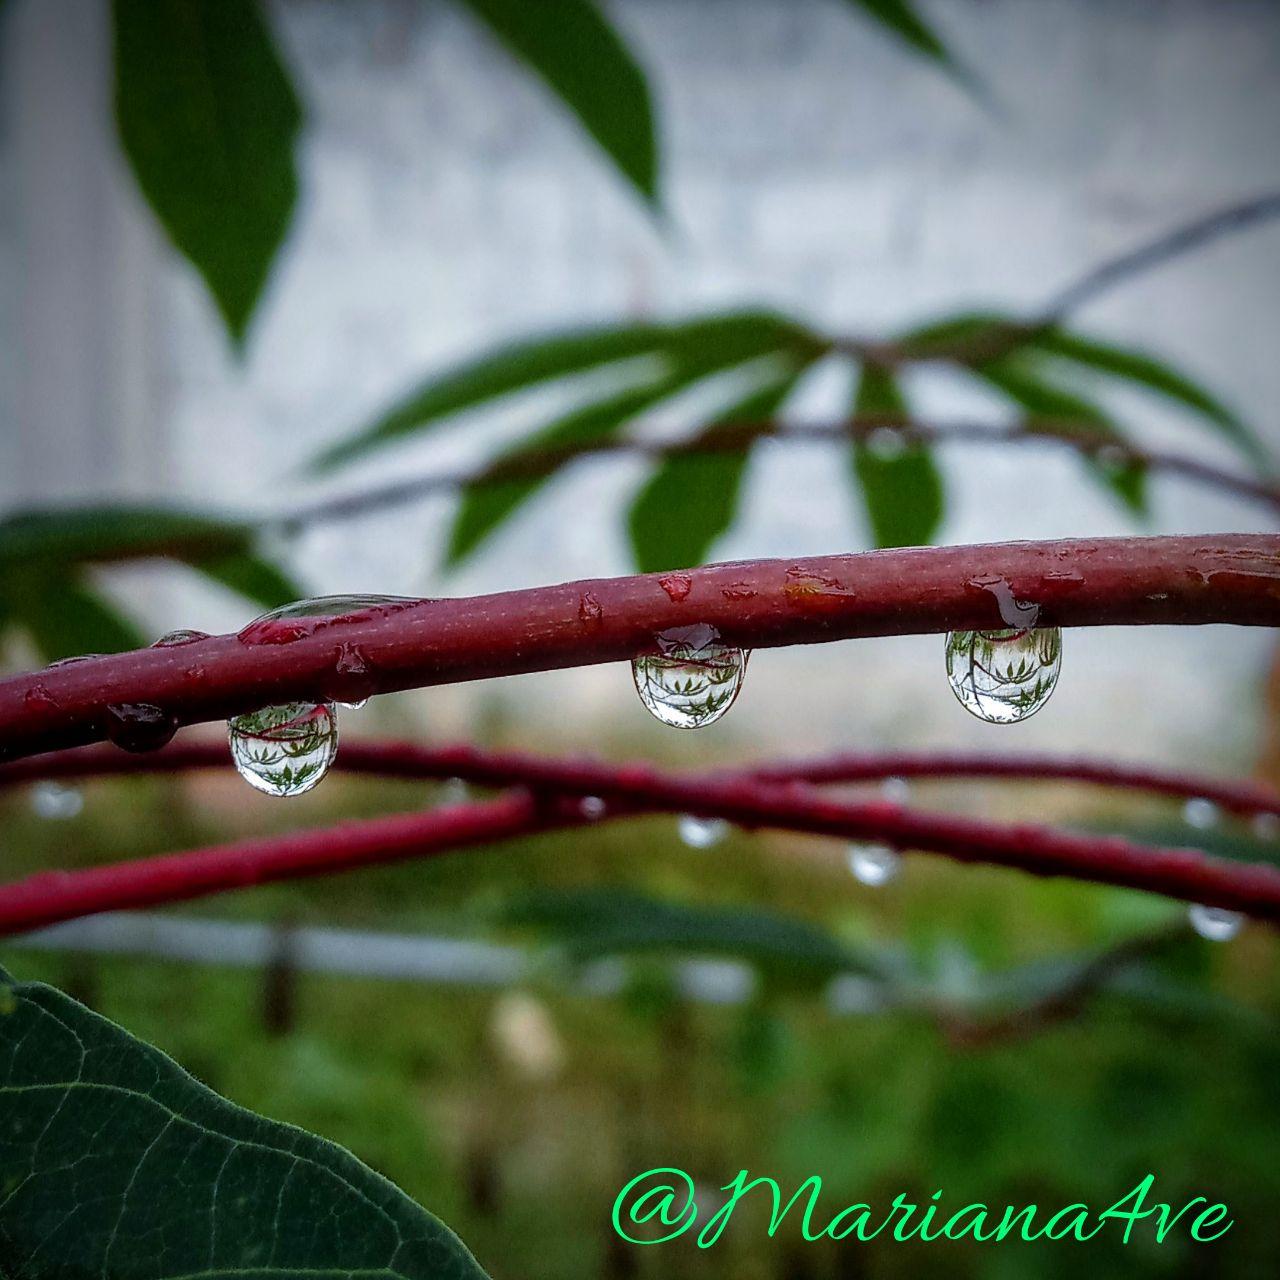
(210, 121)
(690, 500)
(524, 1165)
(47, 558)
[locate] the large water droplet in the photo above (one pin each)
(305, 617)
(1004, 676)
(692, 680)
(1200, 813)
(184, 635)
(1214, 923)
(701, 833)
(284, 750)
(139, 726)
(56, 801)
(874, 864)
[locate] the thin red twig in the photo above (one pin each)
(410, 760)
(748, 802)
(137, 697)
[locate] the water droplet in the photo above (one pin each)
(874, 864)
(1004, 676)
(814, 592)
(896, 790)
(589, 610)
(305, 617)
(692, 680)
(56, 801)
(71, 662)
(701, 833)
(183, 635)
(886, 444)
(139, 726)
(1214, 923)
(354, 684)
(592, 808)
(676, 585)
(284, 750)
(1200, 813)
(1265, 826)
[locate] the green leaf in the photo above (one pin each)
(63, 617)
(586, 64)
(901, 18)
(117, 1164)
(209, 121)
(1147, 371)
(691, 499)
(590, 923)
(252, 577)
(517, 366)
(694, 350)
(1051, 406)
(903, 492)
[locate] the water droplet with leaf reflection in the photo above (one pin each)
(692, 679)
(284, 750)
(1004, 676)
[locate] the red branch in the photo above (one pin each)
(408, 760)
(1232, 578)
(746, 801)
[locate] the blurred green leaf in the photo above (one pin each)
(691, 499)
(1049, 405)
(42, 555)
(1145, 370)
(64, 617)
(585, 63)
(183, 1182)
(901, 18)
(209, 120)
(587, 924)
(517, 366)
(252, 577)
(693, 350)
(903, 492)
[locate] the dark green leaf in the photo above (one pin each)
(903, 491)
(63, 617)
(694, 350)
(585, 63)
(105, 535)
(589, 923)
(209, 120)
(1050, 406)
(900, 17)
(117, 1163)
(691, 499)
(1145, 370)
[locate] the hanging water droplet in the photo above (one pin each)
(701, 833)
(1200, 813)
(874, 864)
(284, 750)
(692, 680)
(139, 726)
(1265, 826)
(184, 635)
(1004, 676)
(896, 790)
(593, 808)
(456, 791)
(1214, 923)
(56, 801)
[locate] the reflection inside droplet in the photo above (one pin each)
(284, 750)
(1004, 676)
(692, 679)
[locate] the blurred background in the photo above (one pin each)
(557, 1016)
